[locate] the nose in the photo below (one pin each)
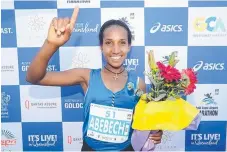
(116, 49)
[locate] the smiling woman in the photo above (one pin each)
(108, 103)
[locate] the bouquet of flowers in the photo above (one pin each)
(163, 107)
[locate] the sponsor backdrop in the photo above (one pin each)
(44, 118)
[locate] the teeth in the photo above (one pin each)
(116, 57)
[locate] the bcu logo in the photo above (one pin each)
(166, 28)
(209, 66)
(10, 110)
(211, 24)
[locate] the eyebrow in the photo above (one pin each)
(112, 39)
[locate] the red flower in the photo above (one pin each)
(191, 79)
(190, 88)
(169, 73)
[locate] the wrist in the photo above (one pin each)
(51, 45)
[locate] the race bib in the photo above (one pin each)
(109, 124)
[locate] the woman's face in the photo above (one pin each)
(115, 45)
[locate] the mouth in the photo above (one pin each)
(115, 57)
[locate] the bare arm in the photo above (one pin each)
(37, 73)
(142, 85)
(58, 34)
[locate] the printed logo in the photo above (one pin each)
(42, 140)
(8, 29)
(168, 31)
(126, 21)
(209, 66)
(166, 28)
(42, 136)
(72, 103)
(210, 136)
(130, 16)
(209, 63)
(86, 29)
(78, 1)
(36, 23)
(166, 138)
(7, 68)
(172, 141)
(10, 104)
(4, 104)
(208, 105)
(8, 139)
(80, 60)
(42, 105)
(131, 64)
(71, 139)
(25, 56)
(208, 139)
(214, 26)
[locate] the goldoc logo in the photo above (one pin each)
(73, 104)
(25, 66)
(205, 139)
(42, 140)
(209, 66)
(166, 28)
(211, 24)
(6, 30)
(131, 64)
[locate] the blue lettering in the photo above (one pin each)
(109, 126)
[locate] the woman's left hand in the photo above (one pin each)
(156, 137)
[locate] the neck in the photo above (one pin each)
(114, 69)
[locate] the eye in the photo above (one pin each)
(107, 42)
(123, 42)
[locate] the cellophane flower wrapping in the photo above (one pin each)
(162, 107)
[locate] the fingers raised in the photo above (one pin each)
(74, 17)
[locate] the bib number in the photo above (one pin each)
(109, 124)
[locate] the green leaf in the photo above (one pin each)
(171, 98)
(153, 81)
(160, 97)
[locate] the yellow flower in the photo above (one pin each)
(151, 60)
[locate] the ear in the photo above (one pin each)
(129, 47)
(101, 47)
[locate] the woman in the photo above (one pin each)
(108, 105)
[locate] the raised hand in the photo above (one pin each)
(61, 29)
